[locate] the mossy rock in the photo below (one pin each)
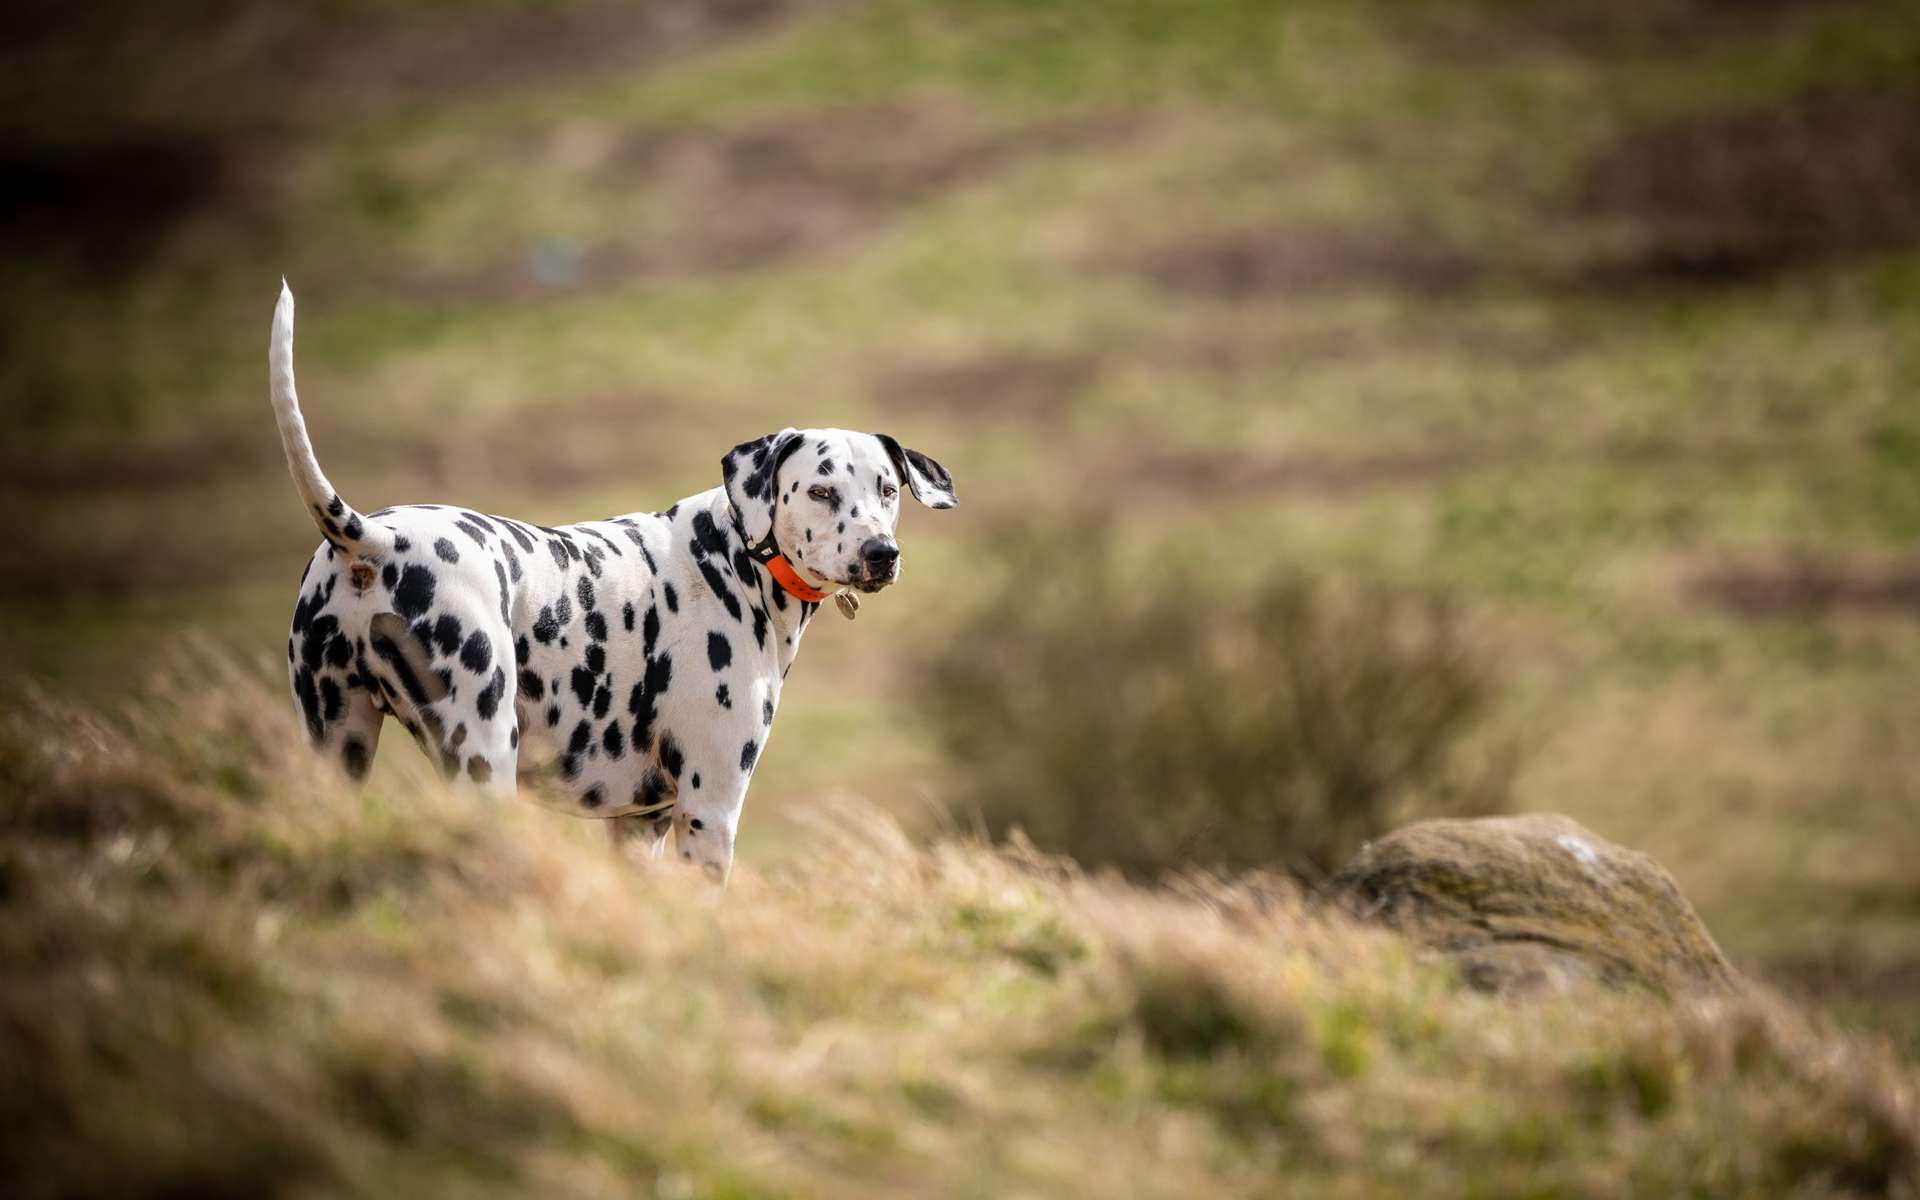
(1530, 901)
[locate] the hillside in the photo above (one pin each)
(234, 977)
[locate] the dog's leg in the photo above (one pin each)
(649, 831)
(342, 720)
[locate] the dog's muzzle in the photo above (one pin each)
(879, 564)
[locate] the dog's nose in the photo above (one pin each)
(879, 554)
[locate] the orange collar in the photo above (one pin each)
(766, 552)
(788, 578)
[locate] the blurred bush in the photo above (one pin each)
(1144, 718)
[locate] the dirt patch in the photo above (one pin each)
(117, 468)
(380, 61)
(537, 448)
(717, 200)
(110, 201)
(1149, 476)
(1228, 351)
(1303, 261)
(227, 94)
(1733, 197)
(1810, 587)
(1480, 34)
(1007, 385)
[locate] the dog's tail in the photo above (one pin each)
(346, 529)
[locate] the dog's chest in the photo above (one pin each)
(667, 638)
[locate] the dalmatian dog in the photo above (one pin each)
(648, 649)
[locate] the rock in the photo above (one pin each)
(1522, 902)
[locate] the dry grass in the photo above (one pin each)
(240, 977)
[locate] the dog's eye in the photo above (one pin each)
(889, 491)
(820, 491)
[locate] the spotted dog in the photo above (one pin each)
(649, 649)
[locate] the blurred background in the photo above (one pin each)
(1360, 410)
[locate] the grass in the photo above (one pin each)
(347, 992)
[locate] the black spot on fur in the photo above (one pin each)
(477, 654)
(414, 594)
(354, 528)
(719, 650)
(673, 597)
(389, 575)
(336, 506)
(582, 734)
(602, 700)
(545, 628)
(721, 590)
(559, 551)
(530, 686)
(488, 701)
(407, 657)
(596, 626)
(596, 659)
(401, 544)
(320, 633)
(593, 797)
(612, 742)
(583, 685)
(584, 589)
(479, 770)
(749, 754)
(766, 711)
(760, 627)
(696, 779)
(329, 699)
(626, 615)
(671, 757)
(446, 633)
(354, 757)
(472, 531)
(650, 791)
(650, 630)
(309, 704)
(642, 702)
(522, 651)
(722, 697)
(447, 551)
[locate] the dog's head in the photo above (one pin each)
(832, 499)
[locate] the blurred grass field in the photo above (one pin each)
(1603, 319)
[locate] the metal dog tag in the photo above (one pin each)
(849, 604)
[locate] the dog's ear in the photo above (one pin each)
(928, 480)
(750, 471)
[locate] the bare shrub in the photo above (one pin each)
(1161, 718)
